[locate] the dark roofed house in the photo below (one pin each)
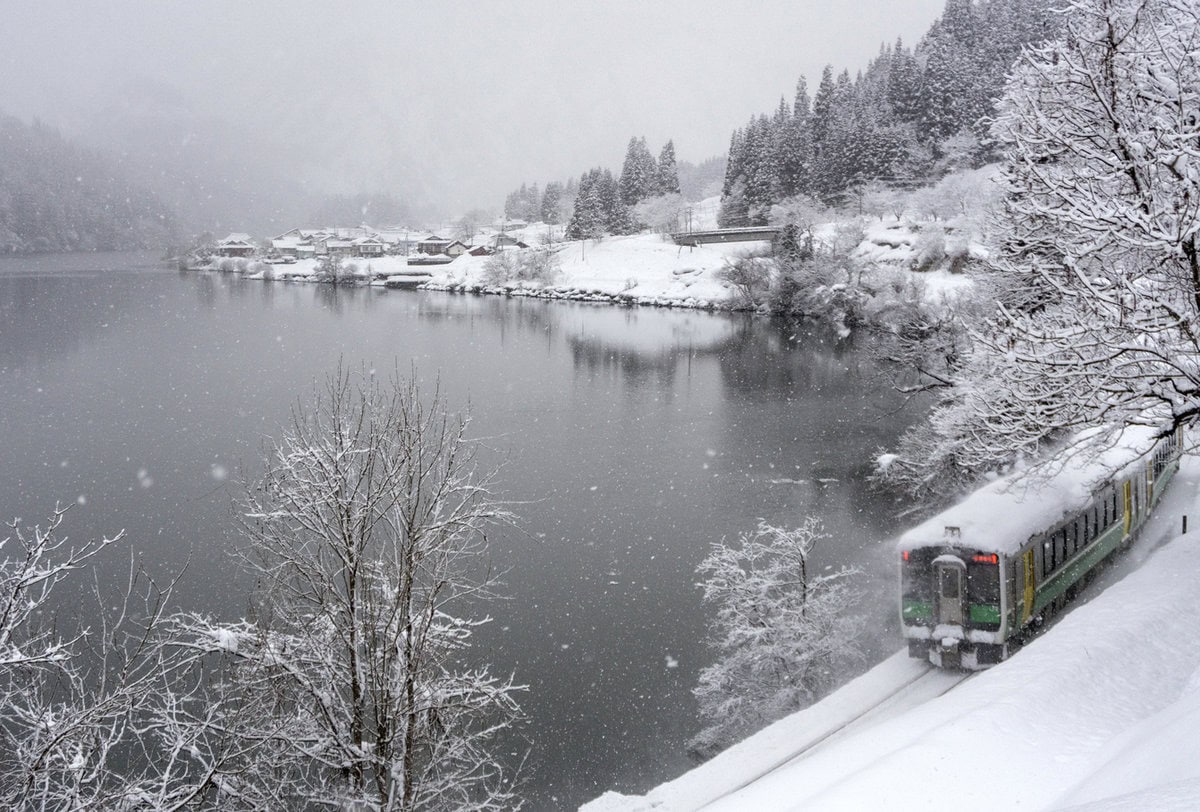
(502, 241)
(369, 247)
(339, 249)
(433, 244)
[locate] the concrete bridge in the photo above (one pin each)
(745, 234)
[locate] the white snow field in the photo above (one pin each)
(1101, 712)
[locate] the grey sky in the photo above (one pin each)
(468, 98)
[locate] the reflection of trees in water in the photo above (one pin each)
(767, 360)
(635, 367)
(499, 317)
(819, 414)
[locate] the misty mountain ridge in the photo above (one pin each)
(58, 196)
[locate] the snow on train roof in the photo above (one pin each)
(1001, 516)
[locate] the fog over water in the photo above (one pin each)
(448, 105)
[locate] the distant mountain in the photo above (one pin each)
(58, 196)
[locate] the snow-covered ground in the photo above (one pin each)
(1101, 712)
(641, 269)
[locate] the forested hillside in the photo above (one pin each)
(912, 115)
(56, 196)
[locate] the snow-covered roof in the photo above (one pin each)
(237, 238)
(1001, 516)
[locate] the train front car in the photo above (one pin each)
(953, 608)
(977, 579)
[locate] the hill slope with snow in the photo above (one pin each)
(1099, 712)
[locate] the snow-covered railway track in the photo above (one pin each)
(911, 692)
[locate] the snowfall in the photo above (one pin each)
(1100, 712)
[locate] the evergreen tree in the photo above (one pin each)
(638, 175)
(616, 216)
(795, 159)
(587, 218)
(551, 203)
(822, 111)
(667, 179)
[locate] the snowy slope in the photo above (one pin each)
(1100, 712)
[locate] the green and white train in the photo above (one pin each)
(978, 579)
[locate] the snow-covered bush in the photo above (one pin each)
(535, 265)
(929, 249)
(784, 636)
(750, 275)
(661, 213)
(331, 271)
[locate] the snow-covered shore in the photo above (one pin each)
(640, 269)
(1100, 712)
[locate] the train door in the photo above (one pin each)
(1129, 507)
(1027, 595)
(951, 577)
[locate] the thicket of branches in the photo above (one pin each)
(350, 686)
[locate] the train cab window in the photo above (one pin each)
(949, 579)
(915, 581)
(983, 584)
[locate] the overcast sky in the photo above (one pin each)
(472, 97)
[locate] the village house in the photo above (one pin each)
(237, 245)
(433, 244)
(502, 241)
(369, 247)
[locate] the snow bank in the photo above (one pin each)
(1101, 711)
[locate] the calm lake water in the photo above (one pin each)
(632, 439)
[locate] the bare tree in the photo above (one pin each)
(784, 635)
(366, 537)
(109, 715)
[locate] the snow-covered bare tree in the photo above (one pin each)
(784, 635)
(367, 538)
(1102, 137)
(110, 714)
